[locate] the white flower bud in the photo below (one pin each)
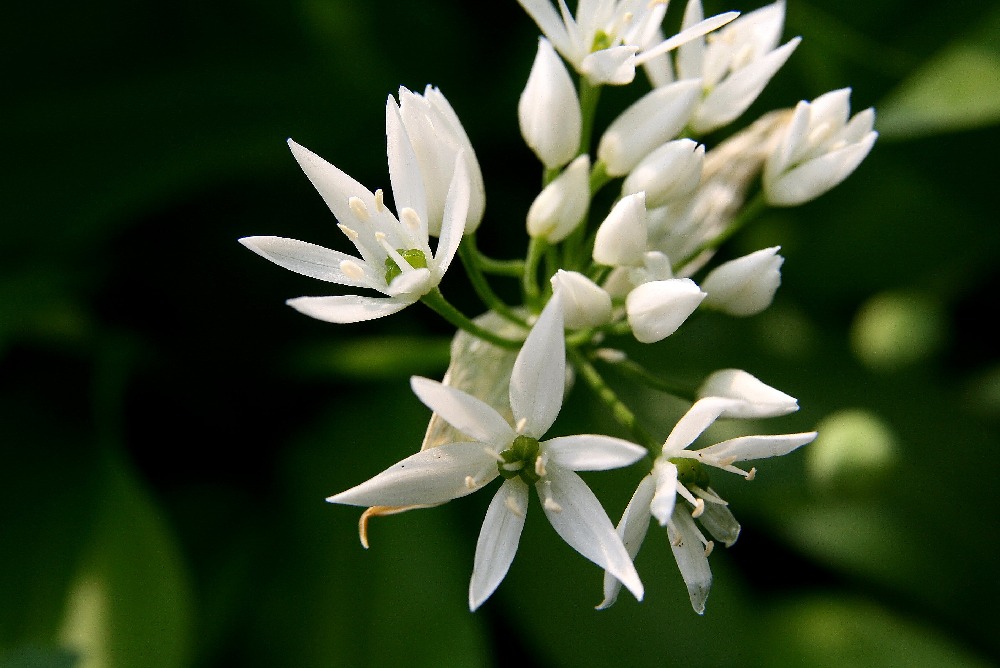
(745, 286)
(423, 139)
(656, 118)
(750, 397)
(584, 303)
(549, 110)
(655, 310)
(621, 238)
(562, 204)
(820, 148)
(671, 172)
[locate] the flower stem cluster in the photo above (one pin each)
(640, 269)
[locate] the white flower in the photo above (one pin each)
(744, 286)
(654, 119)
(679, 472)
(562, 204)
(734, 64)
(820, 148)
(424, 138)
(602, 41)
(396, 259)
(497, 448)
(749, 397)
(548, 111)
(656, 309)
(671, 172)
(585, 304)
(621, 238)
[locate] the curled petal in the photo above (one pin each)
(698, 418)
(665, 498)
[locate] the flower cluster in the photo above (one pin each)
(638, 271)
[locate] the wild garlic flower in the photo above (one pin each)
(562, 205)
(679, 471)
(821, 146)
(607, 38)
(515, 453)
(670, 173)
(548, 111)
(744, 286)
(396, 258)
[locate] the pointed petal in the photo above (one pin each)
(474, 418)
(539, 377)
(581, 521)
(720, 523)
(747, 448)
(656, 309)
(591, 452)
(754, 399)
(688, 34)
(335, 186)
(691, 425)
(632, 529)
(404, 167)
(498, 540)
(348, 308)
(614, 66)
(429, 476)
(551, 25)
(311, 260)
(691, 560)
(456, 211)
(665, 498)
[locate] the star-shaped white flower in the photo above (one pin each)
(514, 452)
(679, 472)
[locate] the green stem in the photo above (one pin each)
(489, 265)
(436, 302)
(621, 413)
(470, 260)
(529, 281)
(749, 213)
(635, 371)
(589, 96)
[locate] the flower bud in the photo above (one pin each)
(584, 303)
(423, 139)
(655, 310)
(549, 110)
(671, 172)
(656, 118)
(744, 286)
(621, 238)
(750, 397)
(562, 204)
(819, 149)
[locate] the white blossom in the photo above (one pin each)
(748, 396)
(671, 172)
(656, 309)
(562, 204)
(395, 256)
(621, 238)
(548, 111)
(821, 146)
(585, 304)
(744, 286)
(513, 451)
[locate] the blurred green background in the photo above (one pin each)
(170, 429)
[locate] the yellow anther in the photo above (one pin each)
(358, 208)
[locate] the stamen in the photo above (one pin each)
(348, 232)
(727, 461)
(686, 493)
(358, 208)
(494, 454)
(752, 474)
(379, 201)
(711, 497)
(411, 219)
(699, 508)
(709, 546)
(513, 506)
(540, 466)
(521, 424)
(550, 504)
(512, 466)
(352, 270)
(470, 482)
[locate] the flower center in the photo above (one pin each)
(519, 460)
(690, 472)
(415, 258)
(602, 40)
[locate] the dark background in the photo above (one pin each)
(169, 429)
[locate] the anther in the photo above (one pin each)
(358, 208)
(699, 508)
(521, 424)
(752, 474)
(470, 482)
(550, 504)
(513, 506)
(540, 467)
(410, 218)
(348, 232)
(352, 270)
(379, 201)
(709, 546)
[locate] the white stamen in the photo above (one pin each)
(727, 461)
(513, 506)
(711, 497)
(379, 200)
(688, 496)
(352, 270)
(512, 466)
(358, 208)
(611, 355)
(348, 232)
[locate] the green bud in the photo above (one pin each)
(415, 258)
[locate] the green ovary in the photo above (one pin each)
(519, 460)
(415, 258)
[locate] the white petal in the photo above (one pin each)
(311, 260)
(548, 110)
(456, 211)
(813, 178)
(542, 12)
(720, 523)
(348, 308)
(412, 284)
(562, 205)
(583, 524)
(498, 540)
(670, 172)
(404, 167)
(690, 556)
(687, 35)
(621, 238)
(747, 448)
(632, 530)
(539, 377)
(429, 476)
(592, 452)
(691, 425)
(585, 304)
(755, 399)
(335, 186)
(615, 66)
(663, 501)
(744, 286)
(471, 416)
(656, 309)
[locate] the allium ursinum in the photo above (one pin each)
(671, 172)
(678, 471)
(549, 110)
(744, 286)
(585, 304)
(733, 64)
(562, 205)
(607, 38)
(515, 453)
(821, 146)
